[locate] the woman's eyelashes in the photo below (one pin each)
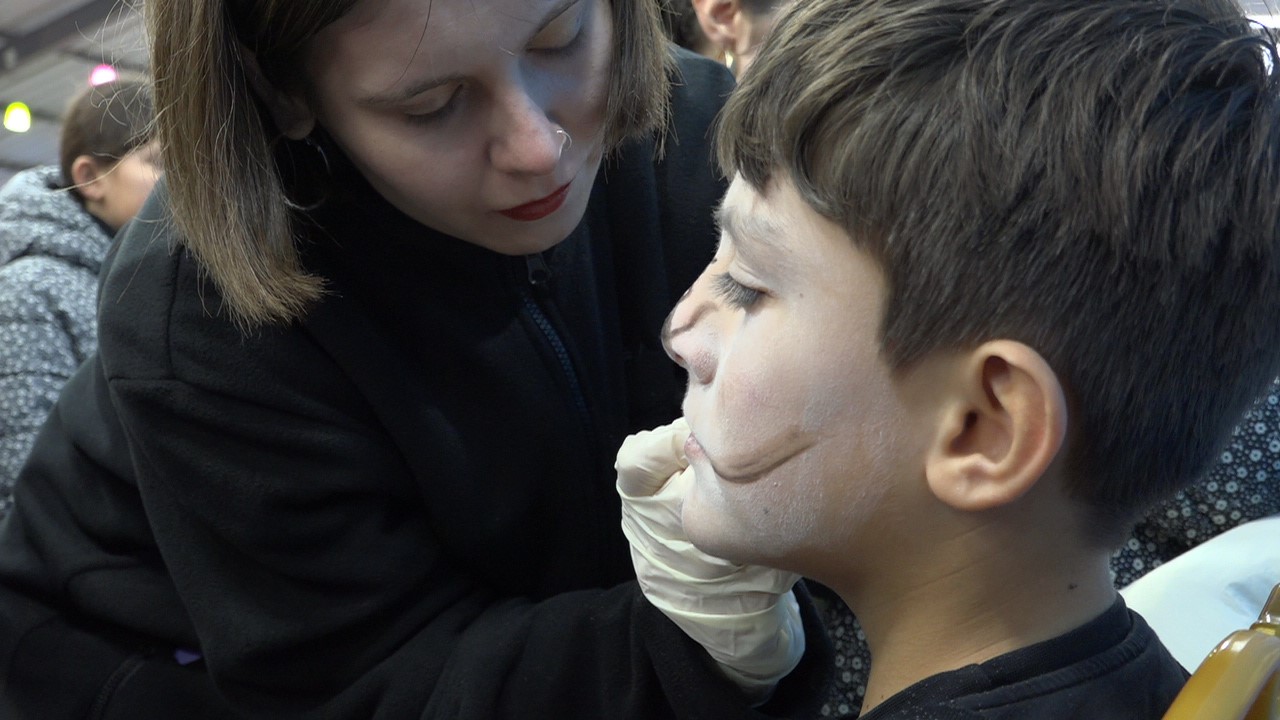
(563, 35)
(555, 41)
(562, 47)
(437, 113)
(734, 292)
(567, 48)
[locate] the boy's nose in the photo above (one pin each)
(685, 338)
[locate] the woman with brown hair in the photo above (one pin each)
(366, 357)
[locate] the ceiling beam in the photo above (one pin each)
(48, 36)
(91, 58)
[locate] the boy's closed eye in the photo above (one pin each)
(734, 292)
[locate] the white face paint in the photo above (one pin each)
(797, 425)
(452, 109)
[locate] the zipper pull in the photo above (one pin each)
(539, 273)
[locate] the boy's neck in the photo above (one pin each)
(973, 599)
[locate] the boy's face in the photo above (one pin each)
(798, 427)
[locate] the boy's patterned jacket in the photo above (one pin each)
(51, 250)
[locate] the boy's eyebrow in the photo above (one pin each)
(752, 230)
(396, 96)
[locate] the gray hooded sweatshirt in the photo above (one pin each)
(51, 250)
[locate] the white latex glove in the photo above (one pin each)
(745, 616)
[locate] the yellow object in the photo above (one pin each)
(17, 117)
(1240, 679)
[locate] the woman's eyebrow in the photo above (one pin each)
(400, 95)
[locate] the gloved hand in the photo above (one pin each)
(746, 616)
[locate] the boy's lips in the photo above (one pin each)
(744, 470)
(540, 208)
(693, 449)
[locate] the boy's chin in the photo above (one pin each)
(712, 531)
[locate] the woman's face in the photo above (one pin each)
(451, 109)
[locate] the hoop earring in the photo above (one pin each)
(302, 174)
(566, 141)
(324, 158)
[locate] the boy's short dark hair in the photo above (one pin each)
(1098, 180)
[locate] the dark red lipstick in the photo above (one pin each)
(540, 208)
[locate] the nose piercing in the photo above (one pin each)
(566, 141)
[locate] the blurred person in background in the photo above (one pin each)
(56, 224)
(683, 27)
(735, 28)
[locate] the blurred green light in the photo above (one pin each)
(17, 117)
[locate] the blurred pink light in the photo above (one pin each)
(103, 74)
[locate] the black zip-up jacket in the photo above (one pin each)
(399, 507)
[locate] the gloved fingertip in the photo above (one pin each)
(679, 435)
(646, 459)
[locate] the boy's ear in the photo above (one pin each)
(290, 111)
(85, 170)
(1004, 421)
(720, 21)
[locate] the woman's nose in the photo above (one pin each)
(525, 141)
(687, 337)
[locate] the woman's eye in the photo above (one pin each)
(562, 36)
(734, 292)
(436, 112)
(563, 47)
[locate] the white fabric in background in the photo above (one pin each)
(1198, 598)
